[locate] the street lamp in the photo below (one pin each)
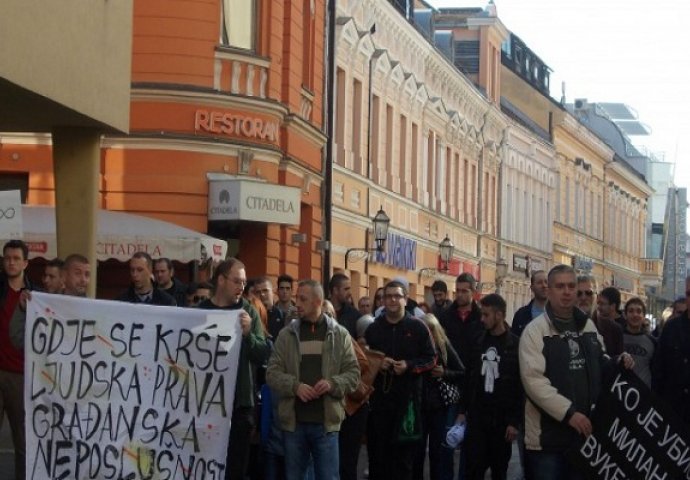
(501, 273)
(445, 251)
(381, 223)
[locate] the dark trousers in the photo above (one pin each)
(12, 405)
(435, 426)
(486, 448)
(550, 466)
(240, 443)
(352, 431)
(388, 459)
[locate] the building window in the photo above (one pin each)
(239, 23)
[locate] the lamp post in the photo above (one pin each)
(381, 223)
(445, 251)
(501, 273)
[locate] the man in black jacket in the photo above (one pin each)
(164, 271)
(340, 295)
(493, 394)
(15, 259)
(535, 307)
(409, 351)
(462, 319)
(671, 375)
(142, 289)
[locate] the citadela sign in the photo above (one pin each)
(635, 435)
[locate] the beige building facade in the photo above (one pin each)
(416, 138)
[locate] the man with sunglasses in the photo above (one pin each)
(585, 294)
(611, 332)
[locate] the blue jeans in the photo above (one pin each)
(310, 440)
(550, 466)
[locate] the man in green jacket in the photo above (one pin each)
(312, 368)
(228, 282)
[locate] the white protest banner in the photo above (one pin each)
(11, 225)
(121, 391)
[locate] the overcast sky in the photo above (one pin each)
(629, 51)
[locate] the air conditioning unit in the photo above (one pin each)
(580, 103)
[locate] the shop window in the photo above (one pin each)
(239, 23)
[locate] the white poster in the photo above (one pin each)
(11, 225)
(121, 391)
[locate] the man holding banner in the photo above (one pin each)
(15, 259)
(561, 365)
(228, 282)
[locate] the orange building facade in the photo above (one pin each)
(226, 129)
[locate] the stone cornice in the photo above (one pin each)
(586, 136)
(214, 98)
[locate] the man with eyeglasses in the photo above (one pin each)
(228, 282)
(671, 372)
(409, 352)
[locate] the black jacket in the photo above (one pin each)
(178, 291)
(462, 334)
(159, 297)
(408, 340)
(521, 318)
(671, 368)
(347, 316)
(508, 395)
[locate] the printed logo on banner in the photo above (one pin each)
(114, 390)
(635, 435)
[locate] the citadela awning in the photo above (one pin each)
(120, 234)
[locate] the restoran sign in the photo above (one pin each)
(236, 124)
(240, 199)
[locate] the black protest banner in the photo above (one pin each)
(635, 435)
(127, 392)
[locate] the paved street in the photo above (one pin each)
(7, 459)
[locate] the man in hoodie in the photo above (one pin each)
(409, 351)
(312, 368)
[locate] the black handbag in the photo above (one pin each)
(450, 392)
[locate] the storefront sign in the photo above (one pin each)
(401, 252)
(227, 123)
(456, 267)
(582, 263)
(623, 283)
(521, 263)
(239, 199)
(634, 436)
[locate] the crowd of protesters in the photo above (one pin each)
(319, 374)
